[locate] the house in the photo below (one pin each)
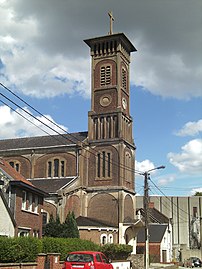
(160, 236)
(7, 222)
(90, 172)
(100, 232)
(185, 214)
(159, 243)
(21, 204)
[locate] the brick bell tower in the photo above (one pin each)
(110, 155)
(109, 121)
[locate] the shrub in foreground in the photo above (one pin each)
(117, 251)
(65, 245)
(19, 249)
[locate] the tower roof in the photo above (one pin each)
(121, 37)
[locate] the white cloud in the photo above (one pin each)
(143, 166)
(189, 160)
(191, 128)
(43, 54)
(193, 191)
(13, 125)
(163, 181)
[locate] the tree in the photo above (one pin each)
(70, 228)
(198, 193)
(53, 228)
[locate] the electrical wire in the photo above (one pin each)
(58, 126)
(52, 129)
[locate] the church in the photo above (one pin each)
(90, 173)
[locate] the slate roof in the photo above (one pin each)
(90, 222)
(51, 185)
(42, 141)
(156, 232)
(155, 216)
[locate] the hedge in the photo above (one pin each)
(66, 245)
(19, 249)
(117, 251)
(26, 249)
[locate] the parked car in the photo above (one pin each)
(87, 260)
(193, 262)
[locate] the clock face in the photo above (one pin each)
(124, 103)
(105, 100)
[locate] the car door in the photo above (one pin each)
(106, 263)
(99, 263)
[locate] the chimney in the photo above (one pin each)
(151, 204)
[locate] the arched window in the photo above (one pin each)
(103, 164)
(103, 239)
(128, 166)
(110, 239)
(124, 78)
(15, 165)
(105, 75)
(56, 167)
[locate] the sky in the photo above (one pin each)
(45, 62)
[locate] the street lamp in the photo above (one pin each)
(146, 203)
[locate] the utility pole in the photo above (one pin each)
(146, 207)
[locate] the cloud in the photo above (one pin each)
(13, 125)
(191, 128)
(163, 181)
(43, 55)
(193, 191)
(189, 160)
(143, 166)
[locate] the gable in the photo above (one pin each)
(7, 222)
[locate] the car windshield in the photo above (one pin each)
(77, 257)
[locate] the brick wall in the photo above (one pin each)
(44, 261)
(28, 219)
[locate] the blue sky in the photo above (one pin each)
(44, 60)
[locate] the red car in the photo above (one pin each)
(87, 260)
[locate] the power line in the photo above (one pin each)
(169, 199)
(58, 133)
(90, 151)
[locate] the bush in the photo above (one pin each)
(117, 251)
(26, 249)
(19, 249)
(66, 245)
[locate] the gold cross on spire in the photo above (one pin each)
(111, 22)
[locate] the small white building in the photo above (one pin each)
(7, 223)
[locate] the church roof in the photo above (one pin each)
(51, 185)
(15, 178)
(156, 233)
(90, 222)
(42, 141)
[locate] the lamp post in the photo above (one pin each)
(146, 204)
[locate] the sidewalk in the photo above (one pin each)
(160, 265)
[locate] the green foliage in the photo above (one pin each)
(66, 245)
(68, 229)
(26, 249)
(19, 249)
(116, 251)
(53, 228)
(198, 193)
